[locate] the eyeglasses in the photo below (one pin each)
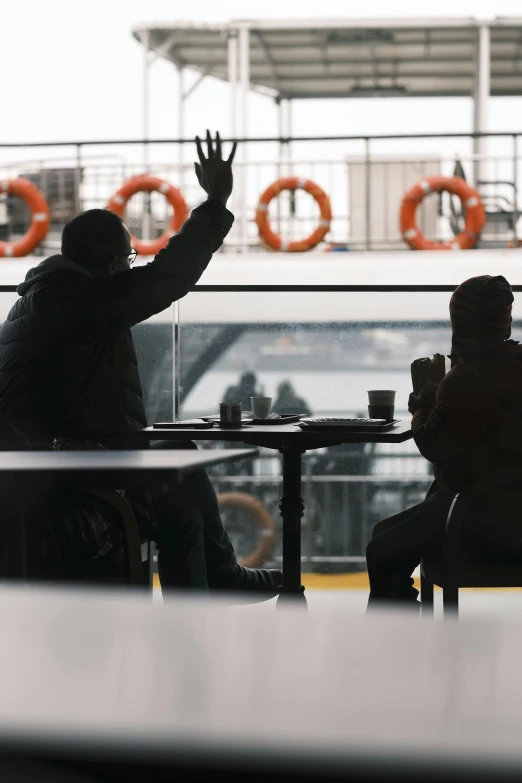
(131, 256)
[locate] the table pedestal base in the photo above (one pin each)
(292, 510)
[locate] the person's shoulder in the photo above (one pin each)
(458, 382)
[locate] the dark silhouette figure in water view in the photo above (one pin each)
(287, 400)
(454, 428)
(68, 367)
(245, 389)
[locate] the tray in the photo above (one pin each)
(323, 426)
(284, 418)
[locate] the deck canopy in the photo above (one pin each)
(339, 58)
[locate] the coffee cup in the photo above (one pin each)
(261, 407)
(230, 414)
(381, 404)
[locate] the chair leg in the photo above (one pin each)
(450, 599)
(148, 568)
(427, 597)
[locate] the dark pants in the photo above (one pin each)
(194, 549)
(400, 542)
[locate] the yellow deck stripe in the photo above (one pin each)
(358, 581)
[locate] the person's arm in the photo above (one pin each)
(136, 294)
(427, 419)
(457, 419)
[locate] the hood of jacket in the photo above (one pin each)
(49, 266)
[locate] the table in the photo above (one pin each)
(27, 475)
(292, 442)
(325, 695)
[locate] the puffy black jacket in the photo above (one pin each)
(67, 361)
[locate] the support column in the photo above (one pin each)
(481, 96)
(244, 84)
(181, 126)
(232, 79)
(281, 154)
(146, 224)
(289, 131)
(284, 168)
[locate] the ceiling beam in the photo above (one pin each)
(329, 95)
(283, 79)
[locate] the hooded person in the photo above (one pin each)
(454, 425)
(69, 371)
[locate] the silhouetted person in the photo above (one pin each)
(454, 428)
(245, 389)
(287, 400)
(68, 367)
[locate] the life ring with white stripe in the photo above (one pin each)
(148, 183)
(272, 239)
(40, 217)
(265, 522)
(475, 215)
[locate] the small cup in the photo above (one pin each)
(230, 414)
(381, 404)
(261, 407)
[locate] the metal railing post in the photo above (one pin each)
(368, 190)
(515, 188)
(78, 180)
(177, 389)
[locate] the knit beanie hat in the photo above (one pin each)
(480, 312)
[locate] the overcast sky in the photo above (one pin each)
(72, 70)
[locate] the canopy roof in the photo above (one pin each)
(340, 58)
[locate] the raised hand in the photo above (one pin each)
(215, 174)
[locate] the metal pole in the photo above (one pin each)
(181, 125)
(515, 188)
(289, 135)
(78, 180)
(177, 389)
(368, 192)
(146, 226)
(481, 96)
(244, 83)
(280, 160)
(232, 79)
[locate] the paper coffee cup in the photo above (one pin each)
(261, 407)
(381, 404)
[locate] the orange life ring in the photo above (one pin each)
(148, 183)
(473, 208)
(272, 239)
(265, 522)
(40, 217)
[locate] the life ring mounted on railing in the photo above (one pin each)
(40, 217)
(148, 183)
(272, 239)
(264, 520)
(471, 202)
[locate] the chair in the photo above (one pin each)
(133, 565)
(448, 572)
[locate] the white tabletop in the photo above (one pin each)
(194, 680)
(130, 462)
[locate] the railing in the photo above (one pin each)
(341, 507)
(365, 177)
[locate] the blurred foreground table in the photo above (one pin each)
(157, 692)
(27, 476)
(292, 442)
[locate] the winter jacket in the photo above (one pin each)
(68, 366)
(457, 434)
